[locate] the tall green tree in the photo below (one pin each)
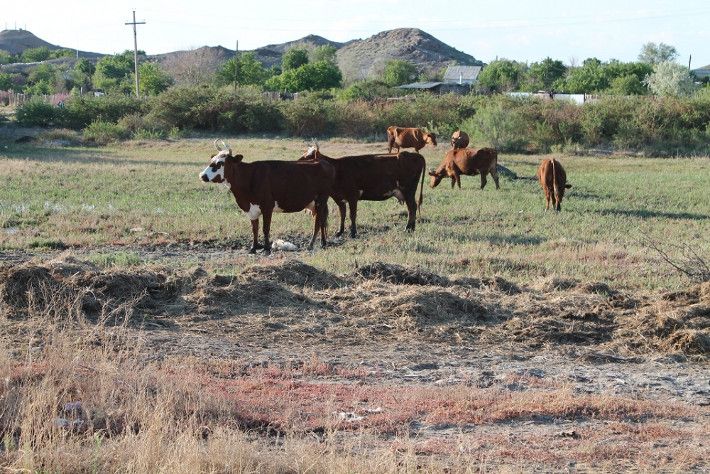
(308, 77)
(653, 53)
(543, 75)
(153, 79)
(501, 75)
(245, 69)
(324, 52)
(588, 78)
(114, 73)
(398, 72)
(32, 55)
(294, 58)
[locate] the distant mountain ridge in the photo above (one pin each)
(16, 41)
(357, 59)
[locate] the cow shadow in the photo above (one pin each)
(514, 239)
(87, 156)
(646, 213)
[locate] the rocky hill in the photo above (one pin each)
(357, 59)
(16, 41)
(366, 58)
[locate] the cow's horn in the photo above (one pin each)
(216, 145)
(224, 145)
(317, 145)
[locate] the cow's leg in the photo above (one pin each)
(352, 203)
(494, 174)
(453, 181)
(266, 215)
(255, 233)
(323, 212)
(547, 199)
(319, 221)
(341, 208)
(457, 174)
(483, 179)
(411, 209)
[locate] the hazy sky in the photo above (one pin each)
(570, 30)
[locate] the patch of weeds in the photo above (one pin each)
(116, 259)
(43, 243)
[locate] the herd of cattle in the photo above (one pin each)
(264, 187)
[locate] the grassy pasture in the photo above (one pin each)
(140, 194)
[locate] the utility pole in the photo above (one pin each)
(236, 65)
(135, 47)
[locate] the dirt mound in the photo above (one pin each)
(555, 283)
(294, 273)
(19, 285)
(400, 275)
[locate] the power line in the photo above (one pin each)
(135, 47)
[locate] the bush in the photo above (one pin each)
(309, 115)
(103, 133)
(83, 110)
(38, 113)
(499, 123)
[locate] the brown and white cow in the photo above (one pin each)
(264, 187)
(459, 139)
(468, 161)
(400, 137)
(374, 178)
(553, 181)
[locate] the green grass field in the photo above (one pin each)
(139, 194)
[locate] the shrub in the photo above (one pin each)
(309, 115)
(38, 113)
(103, 133)
(83, 110)
(499, 123)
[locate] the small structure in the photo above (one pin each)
(702, 73)
(457, 79)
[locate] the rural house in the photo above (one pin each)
(457, 79)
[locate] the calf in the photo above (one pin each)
(553, 181)
(468, 161)
(399, 137)
(374, 178)
(264, 187)
(459, 139)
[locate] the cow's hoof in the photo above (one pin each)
(338, 234)
(252, 250)
(409, 229)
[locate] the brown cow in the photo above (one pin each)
(553, 181)
(459, 139)
(374, 178)
(468, 161)
(264, 187)
(399, 137)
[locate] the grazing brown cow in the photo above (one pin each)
(399, 137)
(374, 178)
(459, 139)
(264, 187)
(553, 181)
(468, 161)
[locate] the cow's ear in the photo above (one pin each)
(236, 158)
(567, 186)
(432, 173)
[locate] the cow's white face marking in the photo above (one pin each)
(311, 208)
(214, 173)
(311, 152)
(254, 211)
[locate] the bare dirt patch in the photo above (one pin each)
(403, 358)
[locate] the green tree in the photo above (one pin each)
(588, 78)
(114, 73)
(153, 79)
(6, 83)
(39, 88)
(398, 72)
(542, 75)
(249, 71)
(294, 58)
(5, 57)
(501, 75)
(324, 52)
(627, 85)
(308, 77)
(653, 53)
(32, 55)
(670, 79)
(61, 53)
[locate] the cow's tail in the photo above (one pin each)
(421, 189)
(555, 189)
